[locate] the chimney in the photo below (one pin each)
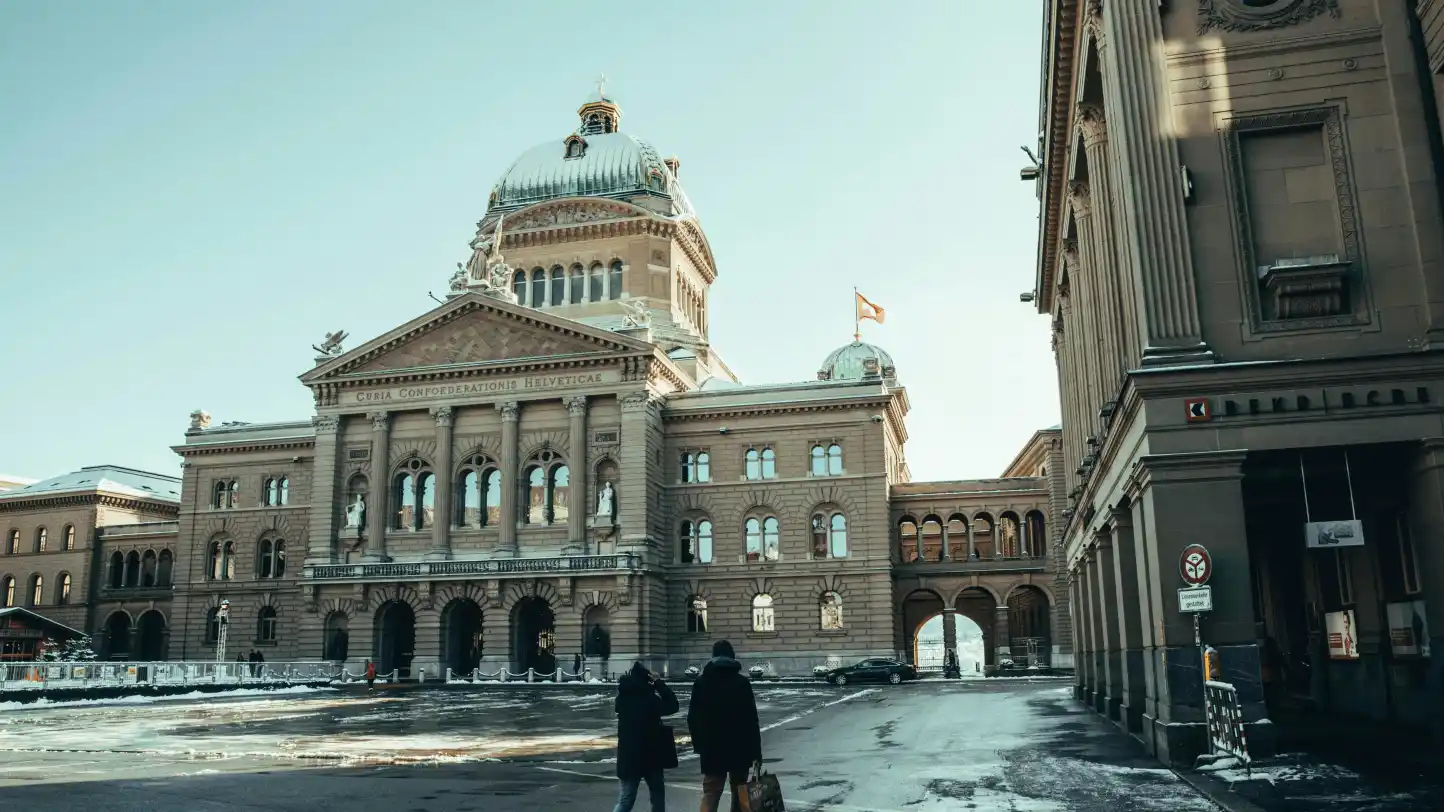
(674, 165)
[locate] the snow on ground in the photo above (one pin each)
(146, 699)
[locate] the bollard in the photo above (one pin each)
(531, 675)
(421, 675)
(448, 673)
(587, 674)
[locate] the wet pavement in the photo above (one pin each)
(928, 747)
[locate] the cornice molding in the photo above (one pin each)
(211, 449)
(89, 499)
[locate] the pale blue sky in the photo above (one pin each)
(191, 194)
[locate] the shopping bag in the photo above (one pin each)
(667, 746)
(765, 793)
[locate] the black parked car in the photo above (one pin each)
(874, 669)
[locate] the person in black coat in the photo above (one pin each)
(722, 718)
(642, 744)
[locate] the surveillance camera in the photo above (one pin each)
(1027, 296)
(295, 459)
(1028, 173)
(877, 418)
(722, 430)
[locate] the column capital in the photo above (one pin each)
(1102, 539)
(442, 414)
(1091, 124)
(1200, 466)
(510, 411)
(380, 421)
(1080, 199)
(326, 423)
(636, 402)
(577, 406)
(1070, 255)
(1119, 517)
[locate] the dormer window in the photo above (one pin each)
(576, 146)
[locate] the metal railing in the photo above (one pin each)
(497, 566)
(529, 675)
(99, 674)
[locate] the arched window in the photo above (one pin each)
(228, 552)
(164, 569)
(42, 539)
(907, 541)
(831, 611)
(279, 569)
(14, 546)
(704, 542)
(559, 493)
(762, 618)
(574, 148)
(356, 490)
(132, 569)
(220, 566)
(37, 590)
(696, 615)
(491, 497)
(559, 286)
(403, 495)
(763, 537)
(834, 460)
(819, 535)
(413, 493)
(696, 542)
(7, 590)
(266, 625)
(536, 495)
(1036, 535)
(577, 284)
(838, 540)
(704, 467)
(276, 492)
(147, 569)
(829, 535)
(63, 598)
(284, 486)
(819, 461)
(263, 559)
(538, 287)
(117, 570)
(518, 286)
(475, 501)
(689, 467)
(219, 499)
(426, 497)
(769, 464)
(70, 537)
(754, 539)
(233, 491)
(754, 464)
(595, 283)
(468, 507)
(547, 489)
(614, 291)
(213, 625)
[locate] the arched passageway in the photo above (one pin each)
(461, 636)
(533, 636)
(117, 636)
(1029, 627)
(395, 638)
(980, 608)
(930, 649)
(337, 638)
(918, 607)
(151, 631)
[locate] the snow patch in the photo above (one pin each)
(147, 699)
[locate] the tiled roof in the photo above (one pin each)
(110, 479)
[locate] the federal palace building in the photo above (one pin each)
(555, 462)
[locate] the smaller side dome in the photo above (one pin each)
(856, 361)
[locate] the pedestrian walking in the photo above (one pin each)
(577, 664)
(726, 735)
(370, 676)
(260, 663)
(645, 747)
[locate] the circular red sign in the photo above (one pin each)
(1195, 565)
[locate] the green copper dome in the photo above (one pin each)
(856, 361)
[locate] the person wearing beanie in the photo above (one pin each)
(644, 747)
(722, 718)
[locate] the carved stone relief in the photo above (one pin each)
(1259, 15)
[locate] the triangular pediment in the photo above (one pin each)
(477, 330)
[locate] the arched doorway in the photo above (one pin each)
(969, 646)
(395, 638)
(533, 629)
(461, 638)
(337, 638)
(1029, 627)
(151, 631)
(978, 607)
(117, 636)
(918, 607)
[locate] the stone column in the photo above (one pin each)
(946, 556)
(1193, 498)
(1001, 641)
(445, 487)
(972, 548)
(1118, 288)
(1426, 527)
(950, 632)
(1154, 238)
(580, 476)
(1075, 604)
(1085, 289)
(1084, 620)
(378, 511)
(630, 503)
(321, 546)
(1108, 627)
(1125, 579)
(510, 475)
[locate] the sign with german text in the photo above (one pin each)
(1195, 599)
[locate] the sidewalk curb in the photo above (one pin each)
(1217, 791)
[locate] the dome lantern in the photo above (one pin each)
(599, 114)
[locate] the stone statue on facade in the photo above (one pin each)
(635, 313)
(200, 419)
(604, 500)
(356, 512)
(332, 345)
(488, 273)
(458, 280)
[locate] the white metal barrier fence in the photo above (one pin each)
(529, 675)
(98, 674)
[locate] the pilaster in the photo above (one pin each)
(579, 469)
(1426, 527)
(1154, 234)
(1108, 612)
(510, 475)
(379, 509)
(321, 544)
(1001, 640)
(445, 487)
(1130, 641)
(1121, 348)
(631, 499)
(1087, 289)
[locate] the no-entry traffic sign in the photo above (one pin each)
(1195, 565)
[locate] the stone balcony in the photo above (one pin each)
(978, 565)
(390, 571)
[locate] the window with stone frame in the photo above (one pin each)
(165, 569)
(478, 498)
(829, 534)
(37, 590)
(62, 597)
(222, 560)
(696, 615)
(826, 459)
(907, 540)
(224, 494)
(266, 625)
(830, 610)
(763, 535)
(413, 496)
(696, 466)
(576, 284)
(7, 590)
(117, 570)
(763, 619)
(276, 491)
(42, 539)
(12, 545)
(148, 565)
(518, 287)
(596, 282)
(213, 625)
(538, 287)
(760, 463)
(1295, 219)
(70, 537)
(695, 541)
(614, 280)
(1408, 558)
(271, 558)
(547, 495)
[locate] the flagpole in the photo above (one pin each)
(856, 319)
